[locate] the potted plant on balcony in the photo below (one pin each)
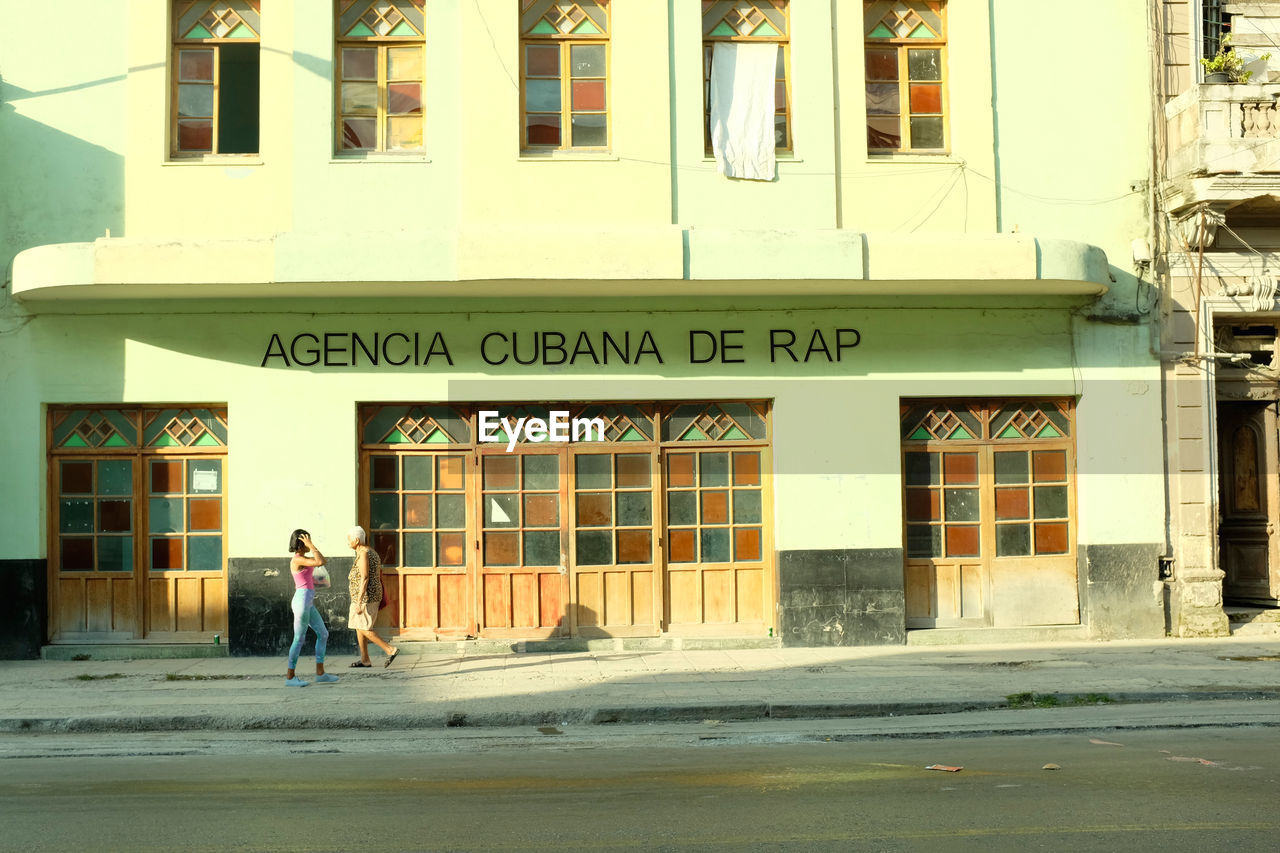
(1226, 66)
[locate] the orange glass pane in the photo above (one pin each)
(195, 134)
(962, 541)
(923, 505)
(746, 469)
(958, 468)
(595, 509)
(502, 549)
(449, 550)
(1013, 503)
(633, 470)
(501, 472)
(715, 507)
(417, 510)
(926, 98)
(541, 510)
(746, 543)
(166, 553)
(195, 66)
(205, 514)
(680, 471)
(588, 94)
(635, 546)
(683, 545)
(882, 64)
(1049, 466)
(1051, 538)
(166, 477)
(449, 477)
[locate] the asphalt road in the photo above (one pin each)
(692, 788)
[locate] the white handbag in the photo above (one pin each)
(320, 576)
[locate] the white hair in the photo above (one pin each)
(357, 533)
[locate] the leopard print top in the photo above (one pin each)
(373, 594)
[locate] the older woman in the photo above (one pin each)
(365, 584)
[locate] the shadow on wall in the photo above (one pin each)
(57, 188)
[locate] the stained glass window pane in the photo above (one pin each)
(746, 543)
(166, 515)
(922, 469)
(926, 132)
(882, 64)
(76, 555)
(384, 512)
(542, 60)
(595, 548)
(195, 99)
(359, 98)
(1051, 538)
(115, 554)
(542, 472)
(635, 546)
(1050, 466)
(924, 64)
(542, 548)
(542, 510)
(75, 516)
(359, 133)
(204, 476)
(587, 60)
(501, 511)
(417, 550)
(1013, 503)
(359, 63)
(404, 63)
(1013, 540)
(634, 508)
(204, 514)
(715, 545)
(451, 473)
(714, 469)
(405, 99)
(683, 545)
(451, 511)
(417, 511)
(962, 541)
(417, 472)
(383, 473)
(1012, 467)
(404, 134)
(882, 99)
(166, 553)
(594, 509)
(593, 471)
(682, 508)
(450, 548)
(590, 131)
(588, 94)
(633, 470)
(195, 66)
(715, 507)
(926, 97)
(543, 129)
(746, 506)
(542, 95)
(960, 468)
(1051, 501)
(115, 477)
(204, 554)
(502, 549)
(961, 504)
(77, 478)
(501, 473)
(884, 133)
(680, 470)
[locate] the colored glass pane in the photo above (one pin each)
(1012, 467)
(882, 64)
(544, 27)
(746, 506)
(542, 548)
(383, 473)
(501, 511)
(198, 32)
(75, 441)
(746, 469)
(395, 436)
(363, 133)
(403, 30)
(204, 554)
(387, 546)
(360, 30)
(501, 549)
(962, 541)
(76, 555)
(920, 434)
(404, 63)
(166, 477)
(959, 434)
(165, 515)
(632, 434)
(404, 134)
(541, 510)
(1049, 466)
(501, 472)
(723, 29)
(166, 440)
(75, 516)
(1051, 538)
(715, 507)
(714, 469)
(593, 471)
(922, 469)
(438, 437)
(204, 514)
(359, 63)
(115, 477)
(633, 470)
(115, 554)
(683, 546)
(195, 99)
(926, 132)
(586, 28)
(1051, 501)
(594, 548)
(926, 97)
(924, 540)
(166, 553)
(195, 66)
(714, 544)
(242, 32)
(451, 511)
(384, 511)
(924, 65)
(204, 475)
(542, 95)
(359, 97)
(635, 509)
(680, 470)
(961, 504)
(543, 129)
(587, 60)
(886, 133)
(682, 508)
(960, 468)
(1013, 540)
(1013, 503)
(880, 32)
(590, 131)
(588, 95)
(450, 474)
(195, 135)
(1010, 432)
(418, 550)
(76, 478)
(779, 103)
(1048, 432)
(634, 546)
(417, 473)
(450, 548)
(923, 505)
(541, 472)
(746, 544)
(205, 440)
(417, 511)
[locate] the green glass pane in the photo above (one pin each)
(595, 548)
(205, 440)
(204, 553)
(418, 550)
(594, 471)
(1051, 501)
(451, 512)
(924, 65)
(438, 437)
(924, 540)
(1010, 432)
(543, 27)
(165, 515)
(635, 509)
(75, 516)
(922, 469)
(715, 545)
(359, 30)
(1048, 432)
(881, 32)
(765, 29)
(746, 506)
(198, 32)
(926, 131)
(403, 29)
(204, 476)
(714, 469)
(542, 95)
(195, 99)
(165, 440)
(542, 548)
(418, 473)
(587, 60)
(694, 434)
(682, 508)
(115, 477)
(242, 32)
(397, 437)
(961, 504)
(501, 510)
(115, 441)
(1013, 467)
(723, 29)
(1013, 540)
(75, 441)
(384, 512)
(921, 434)
(632, 434)
(586, 27)
(542, 472)
(733, 433)
(115, 554)
(921, 32)
(960, 433)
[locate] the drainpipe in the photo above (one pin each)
(835, 111)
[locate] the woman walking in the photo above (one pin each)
(365, 584)
(305, 614)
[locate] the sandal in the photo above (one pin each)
(391, 657)
(359, 664)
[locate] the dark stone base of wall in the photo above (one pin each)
(842, 597)
(24, 608)
(1124, 594)
(259, 617)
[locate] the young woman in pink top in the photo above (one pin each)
(305, 614)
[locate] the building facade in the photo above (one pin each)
(781, 321)
(1218, 226)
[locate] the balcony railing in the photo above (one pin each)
(1224, 129)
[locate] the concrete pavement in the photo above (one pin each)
(468, 686)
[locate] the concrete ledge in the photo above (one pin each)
(992, 636)
(134, 651)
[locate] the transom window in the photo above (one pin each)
(564, 74)
(381, 70)
(730, 23)
(215, 77)
(905, 46)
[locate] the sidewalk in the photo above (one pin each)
(451, 686)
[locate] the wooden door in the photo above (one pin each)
(614, 575)
(1247, 540)
(523, 583)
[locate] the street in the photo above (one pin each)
(710, 787)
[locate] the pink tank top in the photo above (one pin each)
(302, 578)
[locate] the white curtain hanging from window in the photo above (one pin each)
(742, 109)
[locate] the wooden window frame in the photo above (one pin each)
(902, 46)
(566, 42)
(787, 146)
(178, 44)
(383, 44)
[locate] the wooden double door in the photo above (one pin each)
(1249, 501)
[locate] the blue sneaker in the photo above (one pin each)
(327, 678)
(295, 682)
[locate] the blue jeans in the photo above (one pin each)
(306, 616)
